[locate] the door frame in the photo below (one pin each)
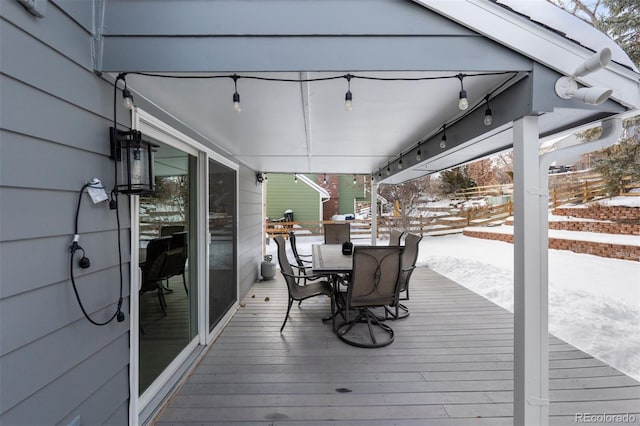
(155, 128)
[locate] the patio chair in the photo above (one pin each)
(394, 237)
(169, 230)
(177, 258)
(303, 264)
(153, 269)
(298, 292)
(337, 233)
(374, 283)
(409, 258)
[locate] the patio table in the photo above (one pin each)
(327, 259)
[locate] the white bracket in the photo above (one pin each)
(35, 7)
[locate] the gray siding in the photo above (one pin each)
(250, 224)
(55, 365)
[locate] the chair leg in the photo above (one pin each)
(400, 312)
(368, 317)
(286, 317)
(163, 304)
(184, 283)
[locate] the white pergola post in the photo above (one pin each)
(531, 357)
(374, 212)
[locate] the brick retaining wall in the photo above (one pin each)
(614, 251)
(621, 214)
(601, 227)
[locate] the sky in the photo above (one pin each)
(594, 302)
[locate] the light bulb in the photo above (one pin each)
(443, 142)
(488, 118)
(388, 170)
(127, 99)
(463, 103)
(325, 179)
(400, 164)
(348, 101)
(354, 179)
(236, 102)
(295, 178)
(136, 168)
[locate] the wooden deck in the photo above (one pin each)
(451, 364)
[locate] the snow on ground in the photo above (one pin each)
(628, 201)
(594, 302)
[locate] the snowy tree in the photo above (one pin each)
(483, 172)
(619, 19)
(456, 179)
(406, 195)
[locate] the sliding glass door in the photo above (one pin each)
(222, 241)
(168, 263)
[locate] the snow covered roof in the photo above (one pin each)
(553, 17)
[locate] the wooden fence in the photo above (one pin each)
(429, 222)
(563, 189)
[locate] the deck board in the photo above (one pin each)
(450, 364)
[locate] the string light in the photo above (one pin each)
(443, 141)
(488, 117)
(295, 178)
(354, 179)
(325, 179)
(348, 97)
(127, 99)
(463, 103)
(236, 95)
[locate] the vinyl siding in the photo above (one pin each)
(349, 192)
(250, 225)
(284, 193)
(55, 365)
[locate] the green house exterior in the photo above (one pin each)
(349, 193)
(284, 193)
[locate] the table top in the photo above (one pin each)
(328, 259)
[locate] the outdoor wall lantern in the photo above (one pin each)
(260, 178)
(136, 157)
(567, 87)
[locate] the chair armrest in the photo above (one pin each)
(410, 268)
(302, 273)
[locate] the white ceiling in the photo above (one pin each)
(303, 127)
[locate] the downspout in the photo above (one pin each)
(97, 42)
(374, 212)
(611, 132)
